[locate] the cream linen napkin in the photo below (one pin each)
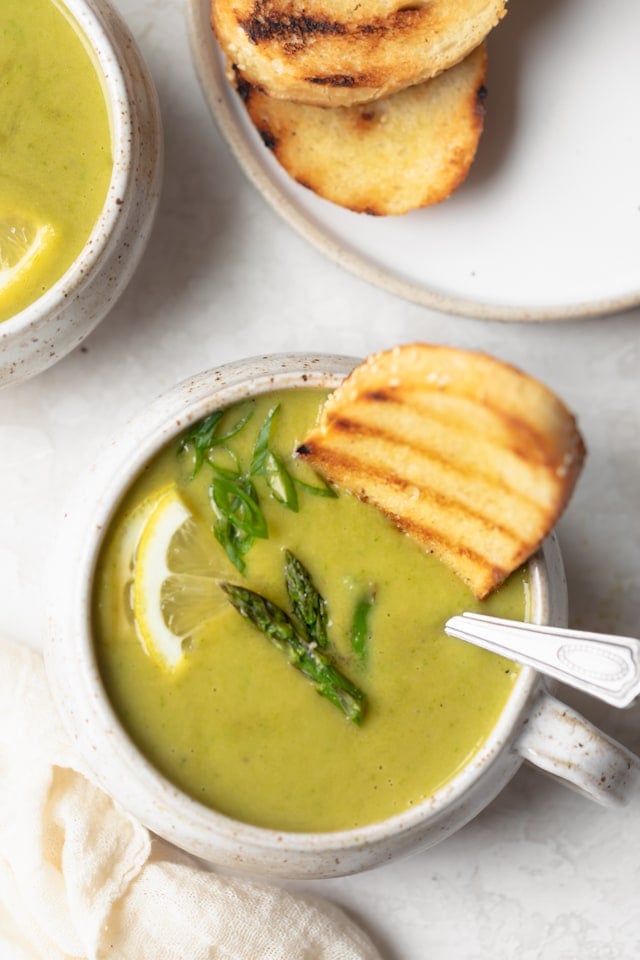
(79, 878)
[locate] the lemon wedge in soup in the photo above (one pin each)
(21, 242)
(174, 590)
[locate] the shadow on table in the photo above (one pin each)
(510, 46)
(190, 241)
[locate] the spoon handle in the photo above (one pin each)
(606, 666)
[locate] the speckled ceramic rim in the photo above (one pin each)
(93, 508)
(214, 86)
(107, 63)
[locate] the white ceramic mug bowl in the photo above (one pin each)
(67, 312)
(534, 726)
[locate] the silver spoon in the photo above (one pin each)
(604, 665)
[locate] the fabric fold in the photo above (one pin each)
(80, 879)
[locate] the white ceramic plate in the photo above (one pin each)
(547, 225)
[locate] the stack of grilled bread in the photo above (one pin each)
(473, 458)
(377, 106)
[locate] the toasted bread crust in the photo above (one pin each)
(471, 457)
(322, 53)
(410, 150)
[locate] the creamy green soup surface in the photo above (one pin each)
(55, 147)
(241, 730)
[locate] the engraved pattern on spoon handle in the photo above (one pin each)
(603, 665)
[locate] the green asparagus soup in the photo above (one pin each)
(277, 651)
(55, 148)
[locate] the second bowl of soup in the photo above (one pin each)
(80, 177)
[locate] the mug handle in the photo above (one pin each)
(561, 742)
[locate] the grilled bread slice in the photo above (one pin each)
(409, 150)
(331, 54)
(471, 457)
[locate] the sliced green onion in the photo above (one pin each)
(234, 542)
(203, 436)
(231, 472)
(237, 501)
(280, 481)
(324, 491)
(360, 629)
(265, 463)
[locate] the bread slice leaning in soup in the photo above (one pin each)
(409, 150)
(329, 53)
(473, 458)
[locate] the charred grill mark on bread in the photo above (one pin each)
(340, 80)
(268, 139)
(522, 438)
(411, 489)
(421, 448)
(469, 456)
(325, 53)
(447, 485)
(481, 101)
(383, 158)
(243, 87)
(268, 22)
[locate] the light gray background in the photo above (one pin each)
(542, 873)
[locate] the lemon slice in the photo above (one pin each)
(21, 241)
(174, 580)
(127, 548)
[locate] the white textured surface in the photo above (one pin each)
(542, 873)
